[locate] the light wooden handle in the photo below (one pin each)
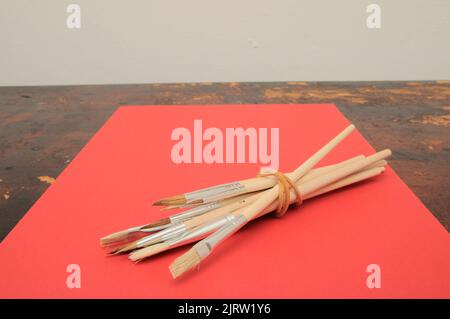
(323, 180)
(358, 177)
(237, 207)
(268, 196)
(256, 184)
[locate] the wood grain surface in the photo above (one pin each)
(43, 128)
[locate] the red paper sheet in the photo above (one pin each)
(321, 249)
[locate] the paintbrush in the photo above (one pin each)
(180, 227)
(310, 174)
(216, 207)
(212, 215)
(222, 191)
(133, 232)
(295, 175)
(203, 249)
(203, 230)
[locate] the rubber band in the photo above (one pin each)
(284, 192)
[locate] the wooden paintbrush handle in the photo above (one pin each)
(269, 196)
(323, 180)
(355, 178)
(236, 205)
(325, 169)
(256, 184)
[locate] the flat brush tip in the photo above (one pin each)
(114, 237)
(107, 241)
(184, 263)
(158, 223)
(123, 249)
(172, 200)
(158, 203)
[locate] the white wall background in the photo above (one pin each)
(143, 41)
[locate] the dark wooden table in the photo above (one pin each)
(43, 128)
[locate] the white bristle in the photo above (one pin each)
(185, 262)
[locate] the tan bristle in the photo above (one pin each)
(185, 262)
(124, 249)
(160, 222)
(127, 234)
(115, 237)
(170, 201)
(145, 252)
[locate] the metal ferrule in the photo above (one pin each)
(199, 210)
(135, 229)
(200, 232)
(179, 230)
(211, 188)
(213, 193)
(205, 246)
(165, 234)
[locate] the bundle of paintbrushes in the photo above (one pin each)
(213, 214)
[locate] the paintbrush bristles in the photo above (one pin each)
(114, 238)
(130, 233)
(171, 201)
(161, 222)
(184, 263)
(124, 249)
(146, 252)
